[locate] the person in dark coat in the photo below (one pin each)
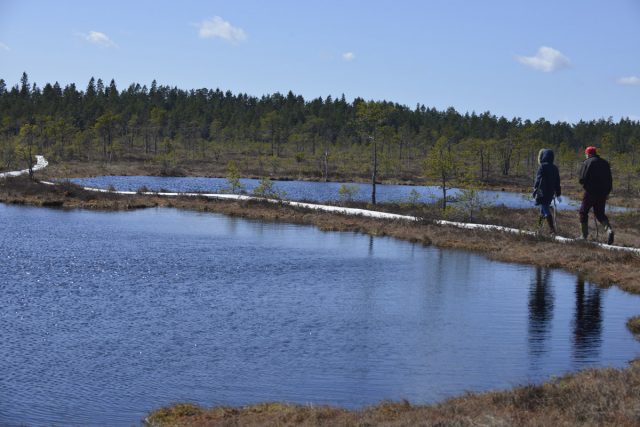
(547, 186)
(595, 177)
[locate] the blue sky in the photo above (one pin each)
(562, 60)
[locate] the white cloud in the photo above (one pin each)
(219, 28)
(4, 47)
(348, 56)
(547, 59)
(629, 81)
(101, 39)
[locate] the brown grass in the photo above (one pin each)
(594, 264)
(634, 326)
(288, 170)
(594, 397)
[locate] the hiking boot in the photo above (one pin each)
(584, 228)
(540, 222)
(610, 234)
(551, 226)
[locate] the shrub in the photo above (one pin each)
(413, 198)
(267, 189)
(234, 186)
(348, 191)
(469, 202)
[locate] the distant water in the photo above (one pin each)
(107, 315)
(311, 191)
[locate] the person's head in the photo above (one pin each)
(545, 155)
(590, 151)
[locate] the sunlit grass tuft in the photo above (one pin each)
(171, 415)
(634, 325)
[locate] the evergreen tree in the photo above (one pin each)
(318, 137)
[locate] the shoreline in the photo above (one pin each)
(608, 268)
(605, 267)
(601, 396)
(209, 170)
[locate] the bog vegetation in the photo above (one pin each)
(318, 138)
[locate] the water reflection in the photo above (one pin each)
(587, 324)
(540, 311)
(161, 305)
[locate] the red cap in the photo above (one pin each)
(590, 151)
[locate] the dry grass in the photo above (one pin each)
(288, 170)
(602, 397)
(594, 264)
(634, 325)
(133, 166)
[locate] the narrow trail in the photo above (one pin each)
(42, 163)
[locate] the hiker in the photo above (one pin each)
(546, 187)
(595, 177)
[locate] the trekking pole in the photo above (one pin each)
(555, 215)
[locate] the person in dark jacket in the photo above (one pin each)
(547, 186)
(595, 177)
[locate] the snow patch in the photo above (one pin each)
(41, 163)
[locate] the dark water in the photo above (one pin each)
(311, 191)
(105, 316)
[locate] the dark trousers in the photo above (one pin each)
(597, 203)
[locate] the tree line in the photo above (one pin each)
(323, 137)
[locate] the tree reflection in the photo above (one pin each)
(587, 325)
(540, 311)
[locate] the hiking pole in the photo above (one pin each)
(555, 215)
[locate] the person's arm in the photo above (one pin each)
(538, 181)
(582, 174)
(538, 178)
(609, 178)
(558, 189)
